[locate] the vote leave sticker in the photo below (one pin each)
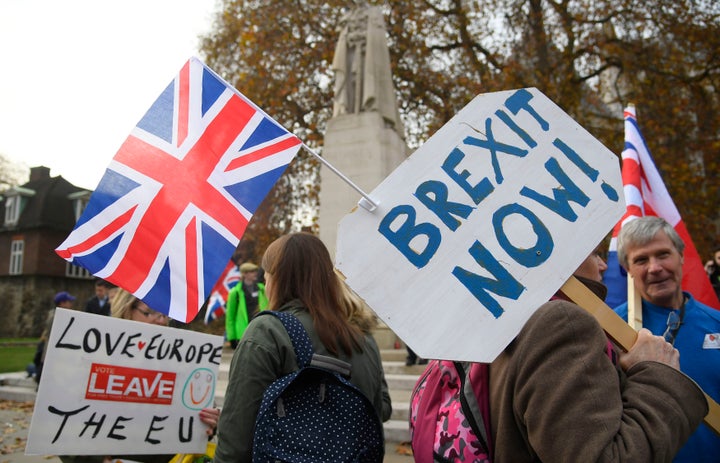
(122, 384)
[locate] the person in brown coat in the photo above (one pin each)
(556, 395)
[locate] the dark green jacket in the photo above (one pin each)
(264, 354)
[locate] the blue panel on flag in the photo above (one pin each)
(260, 185)
(159, 118)
(157, 298)
(615, 279)
(267, 130)
(214, 257)
(212, 88)
(111, 187)
(99, 258)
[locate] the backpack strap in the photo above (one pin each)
(298, 336)
(304, 352)
(332, 364)
(475, 400)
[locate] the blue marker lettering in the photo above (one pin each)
(521, 100)
(531, 257)
(494, 147)
(407, 232)
(530, 141)
(476, 192)
(560, 202)
(504, 283)
(439, 204)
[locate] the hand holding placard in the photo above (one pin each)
(621, 333)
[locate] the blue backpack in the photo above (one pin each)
(315, 414)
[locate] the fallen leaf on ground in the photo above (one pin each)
(404, 448)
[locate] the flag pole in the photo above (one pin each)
(634, 304)
(634, 301)
(366, 202)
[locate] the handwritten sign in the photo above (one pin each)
(481, 225)
(118, 387)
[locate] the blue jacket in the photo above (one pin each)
(698, 341)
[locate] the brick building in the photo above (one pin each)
(39, 215)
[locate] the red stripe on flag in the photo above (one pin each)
(695, 279)
(98, 237)
(631, 173)
(183, 104)
(263, 152)
(191, 269)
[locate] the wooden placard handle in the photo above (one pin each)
(634, 304)
(621, 333)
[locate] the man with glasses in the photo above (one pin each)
(651, 251)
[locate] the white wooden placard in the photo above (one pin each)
(481, 225)
(119, 387)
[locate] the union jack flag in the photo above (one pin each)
(176, 198)
(218, 297)
(646, 194)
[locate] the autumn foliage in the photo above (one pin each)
(592, 57)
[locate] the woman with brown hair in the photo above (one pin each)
(300, 280)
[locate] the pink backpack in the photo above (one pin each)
(450, 413)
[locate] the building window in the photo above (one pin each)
(12, 209)
(16, 256)
(79, 208)
(15, 199)
(75, 271)
(80, 199)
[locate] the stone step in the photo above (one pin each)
(19, 380)
(397, 355)
(398, 396)
(400, 381)
(398, 366)
(17, 393)
(386, 338)
(17, 387)
(400, 410)
(397, 431)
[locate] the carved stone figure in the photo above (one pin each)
(363, 81)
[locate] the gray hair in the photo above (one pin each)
(641, 231)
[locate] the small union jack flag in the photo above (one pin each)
(218, 297)
(176, 198)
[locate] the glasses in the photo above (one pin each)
(673, 326)
(151, 314)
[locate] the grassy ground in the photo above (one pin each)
(15, 354)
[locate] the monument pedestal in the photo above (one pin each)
(365, 149)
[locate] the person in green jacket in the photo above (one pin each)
(245, 300)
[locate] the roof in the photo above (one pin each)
(50, 206)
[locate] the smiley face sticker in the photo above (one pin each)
(199, 389)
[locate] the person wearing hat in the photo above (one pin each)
(64, 300)
(245, 300)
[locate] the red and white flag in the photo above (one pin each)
(218, 297)
(646, 195)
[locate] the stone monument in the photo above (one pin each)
(365, 137)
